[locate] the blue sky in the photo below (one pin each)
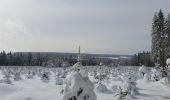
(99, 26)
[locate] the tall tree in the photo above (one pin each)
(159, 39)
(155, 37)
(167, 31)
(3, 58)
(29, 58)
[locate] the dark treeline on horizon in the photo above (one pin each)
(142, 58)
(20, 59)
(57, 59)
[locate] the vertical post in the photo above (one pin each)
(79, 55)
(79, 50)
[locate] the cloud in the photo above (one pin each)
(99, 26)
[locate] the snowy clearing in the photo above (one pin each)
(35, 89)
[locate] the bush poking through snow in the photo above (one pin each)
(102, 88)
(45, 78)
(165, 80)
(143, 70)
(156, 74)
(77, 88)
(6, 79)
(17, 77)
(120, 94)
(128, 91)
(59, 81)
(147, 77)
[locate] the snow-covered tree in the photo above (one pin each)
(156, 74)
(7, 77)
(167, 31)
(159, 39)
(78, 86)
(143, 70)
(17, 76)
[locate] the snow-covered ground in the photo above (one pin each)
(35, 89)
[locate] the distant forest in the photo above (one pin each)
(53, 59)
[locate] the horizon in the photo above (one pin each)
(100, 27)
(68, 53)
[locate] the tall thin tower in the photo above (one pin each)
(79, 56)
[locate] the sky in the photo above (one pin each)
(98, 26)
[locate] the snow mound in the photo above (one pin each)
(59, 81)
(165, 80)
(102, 88)
(147, 77)
(78, 89)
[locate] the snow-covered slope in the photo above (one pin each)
(35, 89)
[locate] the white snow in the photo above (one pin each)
(35, 89)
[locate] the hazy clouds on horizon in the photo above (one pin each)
(99, 26)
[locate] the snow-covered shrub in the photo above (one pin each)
(168, 62)
(7, 79)
(147, 77)
(78, 88)
(120, 94)
(17, 76)
(102, 88)
(59, 81)
(165, 80)
(143, 70)
(156, 74)
(64, 73)
(128, 90)
(45, 77)
(114, 88)
(130, 87)
(29, 75)
(76, 66)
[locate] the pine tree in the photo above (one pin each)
(159, 39)
(29, 58)
(167, 31)
(155, 37)
(162, 39)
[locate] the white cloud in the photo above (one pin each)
(100, 26)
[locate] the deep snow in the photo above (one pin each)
(35, 89)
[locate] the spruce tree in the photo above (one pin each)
(155, 37)
(167, 31)
(162, 40)
(159, 39)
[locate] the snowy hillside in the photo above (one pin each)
(36, 89)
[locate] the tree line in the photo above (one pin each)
(54, 59)
(142, 58)
(20, 59)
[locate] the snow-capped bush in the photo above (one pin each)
(77, 88)
(120, 94)
(143, 70)
(59, 81)
(29, 75)
(128, 90)
(7, 79)
(165, 80)
(156, 74)
(102, 88)
(131, 88)
(17, 77)
(147, 77)
(76, 66)
(114, 88)
(168, 62)
(45, 78)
